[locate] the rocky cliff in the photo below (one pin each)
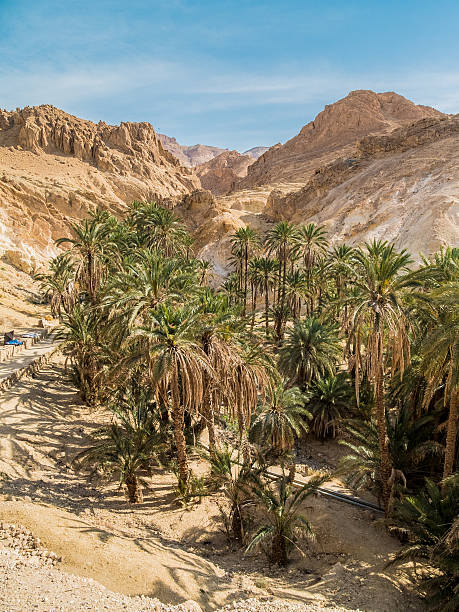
(332, 134)
(220, 173)
(189, 156)
(403, 186)
(55, 167)
(371, 165)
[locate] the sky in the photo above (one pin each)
(227, 73)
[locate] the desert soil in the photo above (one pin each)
(109, 549)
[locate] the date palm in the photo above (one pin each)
(59, 283)
(311, 350)
(440, 361)
(267, 268)
(379, 314)
(236, 479)
(328, 400)
(145, 280)
(160, 228)
(243, 242)
(81, 342)
(296, 291)
(311, 243)
(127, 446)
(177, 367)
(281, 240)
(217, 326)
(429, 521)
(281, 505)
(279, 421)
(90, 246)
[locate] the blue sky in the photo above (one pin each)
(228, 73)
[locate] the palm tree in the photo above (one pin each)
(217, 328)
(91, 246)
(127, 446)
(281, 506)
(177, 367)
(281, 240)
(160, 228)
(410, 446)
(429, 521)
(243, 242)
(311, 244)
(236, 479)
(145, 280)
(328, 400)
(279, 421)
(440, 361)
(296, 291)
(310, 350)
(382, 279)
(60, 284)
(267, 269)
(340, 263)
(81, 342)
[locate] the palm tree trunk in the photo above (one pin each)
(243, 435)
(266, 305)
(381, 418)
(254, 305)
(450, 451)
(132, 488)
(291, 471)
(279, 550)
(246, 258)
(180, 442)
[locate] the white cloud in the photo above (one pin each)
(200, 88)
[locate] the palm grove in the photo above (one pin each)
(358, 343)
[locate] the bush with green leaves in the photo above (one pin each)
(127, 448)
(429, 522)
(329, 399)
(284, 519)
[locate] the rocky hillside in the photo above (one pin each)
(403, 186)
(370, 165)
(220, 173)
(190, 156)
(332, 134)
(55, 167)
(256, 152)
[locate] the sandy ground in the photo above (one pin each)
(157, 548)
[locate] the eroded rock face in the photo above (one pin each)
(54, 168)
(332, 134)
(401, 187)
(189, 155)
(220, 173)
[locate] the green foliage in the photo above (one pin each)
(284, 520)
(429, 522)
(311, 350)
(280, 421)
(128, 446)
(236, 478)
(329, 400)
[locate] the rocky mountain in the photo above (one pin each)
(192, 155)
(256, 152)
(220, 173)
(402, 187)
(333, 133)
(370, 165)
(54, 168)
(199, 154)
